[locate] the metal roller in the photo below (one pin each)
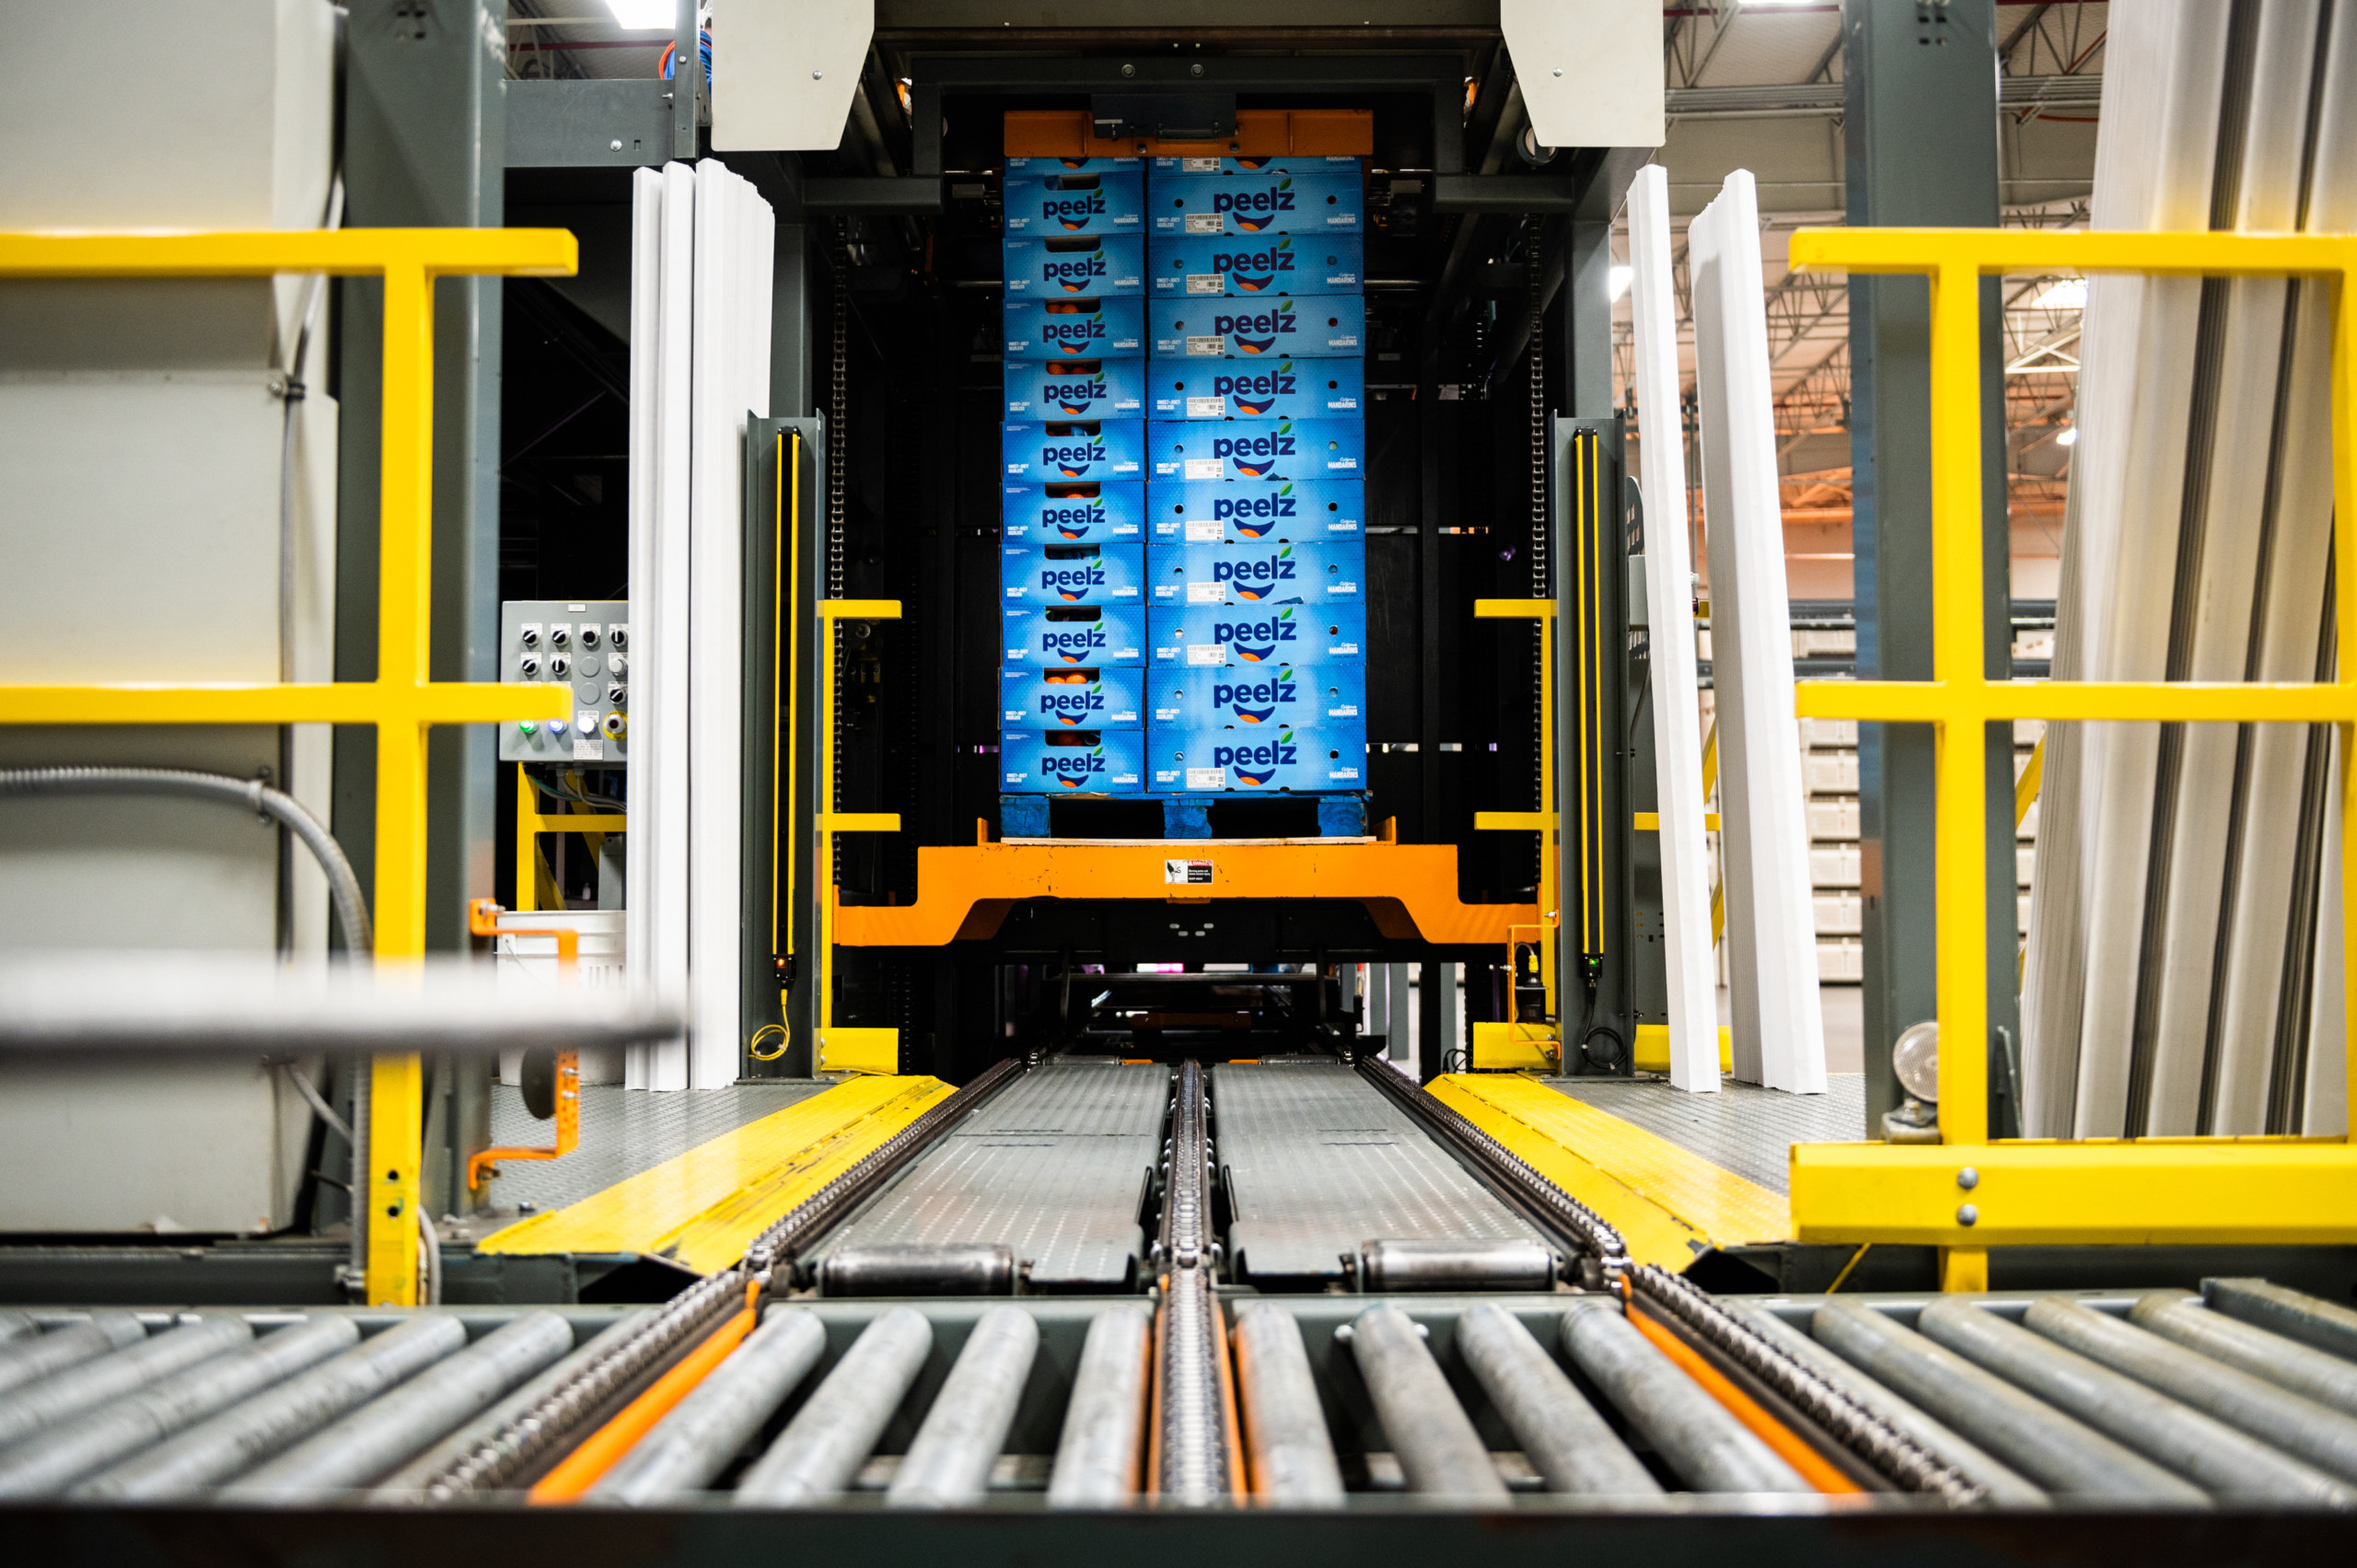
(2307, 1319)
(948, 1462)
(827, 1440)
(241, 1437)
(707, 1430)
(1388, 1267)
(29, 1360)
(15, 1326)
(2305, 1371)
(1439, 1452)
(129, 1423)
(1098, 1456)
(1573, 1446)
(355, 1451)
(67, 1393)
(2004, 1484)
(2208, 1452)
(2054, 1450)
(974, 1269)
(1702, 1441)
(416, 1475)
(1285, 1425)
(2303, 1428)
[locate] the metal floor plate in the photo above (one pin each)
(1055, 1167)
(1318, 1161)
(623, 1132)
(1743, 1128)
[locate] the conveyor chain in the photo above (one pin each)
(1193, 1448)
(510, 1456)
(1565, 1213)
(1893, 1455)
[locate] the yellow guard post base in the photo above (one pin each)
(1968, 1194)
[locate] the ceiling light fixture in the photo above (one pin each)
(2063, 294)
(2067, 437)
(644, 16)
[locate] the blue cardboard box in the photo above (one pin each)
(1183, 266)
(1081, 266)
(1073, 762)
(1244, 389)
(1078, 389)
(1084, 636)
(1195, 761)
(1251, 696)
(1216, 512)
(1078, 449)
(1258, 450)
(1322, 326)
(1065, 202)
(1075, 328)
(1266, 202)
(1340, 164)
(1073, 574)
(1257, 572)
(1074, 511)
(1110, 698)
(1297, 634)
(1042, 166)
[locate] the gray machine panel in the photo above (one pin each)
(585, 645)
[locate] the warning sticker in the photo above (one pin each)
(1187, 873)
(585, 751)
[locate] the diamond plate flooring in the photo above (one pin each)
(1318, 1161)
(1055, 1167)
(623, 1132)
(1743, 1128)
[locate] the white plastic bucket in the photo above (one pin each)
(530, 961)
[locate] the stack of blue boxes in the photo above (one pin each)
(1073, 571)
(1256, 463)
(1185, 471)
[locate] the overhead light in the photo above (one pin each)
(1773, 5)
(2067, 437)
(2063, 294)
(1619, 279)
(644, 16)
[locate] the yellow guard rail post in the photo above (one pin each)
(1966, 1195)
(403, 702)
(854, 1049)
(1514, 1043)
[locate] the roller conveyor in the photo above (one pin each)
(1318, 1162)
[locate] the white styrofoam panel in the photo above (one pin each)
(784, 74)
(1832, 773)
(1840, 960)
(1839, 914)
(1833, 868)
(1678, 739)
(1779, 1033)
(1832, 819)
(1591, 71)
(1822, 733)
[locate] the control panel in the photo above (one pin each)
(584, 645)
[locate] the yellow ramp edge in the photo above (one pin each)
(1666, 1200)
(702, 1208)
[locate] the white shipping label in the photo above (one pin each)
(1207, 778)
(1207, 407)
(1206, 282)
(1203, 530)
(1203, 468)
(1210, 347)
(1199, 166)
(1207, 652)
(1188, 872)
(1206, 593)
(1206, 223)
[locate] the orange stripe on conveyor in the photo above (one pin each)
(1815, 1467)
(582, 1468)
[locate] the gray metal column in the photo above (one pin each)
(1913, 73)
(424, 139)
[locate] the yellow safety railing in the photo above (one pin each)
(1514, 1044)
(404, 700)
(841, 1047)
(1968, 1193)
